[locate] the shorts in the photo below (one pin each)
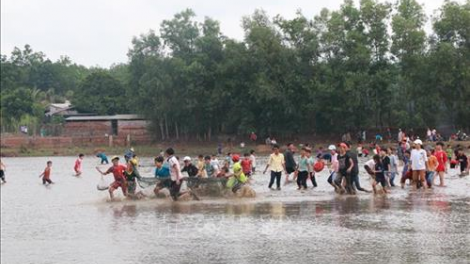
(419, 175)
(290, 170)
(430, 177)
(118, 184)
(381, 180)
(253, 169)
(165, 183)
(237, 187)
(175, 190)
(44, 181)
(463, 166)
(247, 174)
(440, 168)
(338, 178)
(2, 175)
(131, 187)
(406, 176)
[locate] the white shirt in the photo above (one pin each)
(370, 164)
(253, 161)
(175, 169)
(215, 164)
(418, 159)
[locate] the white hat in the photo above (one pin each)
(418, 142)
(332, 147)
(187, 158)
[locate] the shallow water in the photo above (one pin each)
(72, 222)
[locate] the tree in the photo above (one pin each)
(450, 62)
(101, 94)
(409, 47)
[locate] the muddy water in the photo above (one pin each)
(72, 222)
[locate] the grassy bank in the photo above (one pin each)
(147, 150)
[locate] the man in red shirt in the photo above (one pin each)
(246, 165)
(119, 178)
(441, 156)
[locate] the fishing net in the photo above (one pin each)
(102, 185)
(214, 187)
(200, 186)
(145, 182)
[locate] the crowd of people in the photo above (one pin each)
(423, 166)
(168, 173)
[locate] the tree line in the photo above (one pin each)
(370, 65)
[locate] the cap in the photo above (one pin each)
(235, 157)
(187, 158)
(115, 157)
(332, 147)
(418, 142)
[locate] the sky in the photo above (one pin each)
(99, 32)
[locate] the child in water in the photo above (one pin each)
(379, 175)
(238, 179)
(78, 165)
(119, 178)
(46, 175)
(302, 170)
(246, 165)
(102, 156)
(463, 162)
(253, 161)
(162, 172)
(406, 173)
(132, 174)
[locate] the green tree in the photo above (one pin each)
(101, 94)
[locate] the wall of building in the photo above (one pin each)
(132, 127)
(101, 128)
(91, 133)
(87, 129)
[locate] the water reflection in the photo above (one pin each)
(276, 227)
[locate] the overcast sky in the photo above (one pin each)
(99, 32)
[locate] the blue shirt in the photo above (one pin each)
(303, 164)
(163, 172)
(102, 156)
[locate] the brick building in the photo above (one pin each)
(116, 125)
